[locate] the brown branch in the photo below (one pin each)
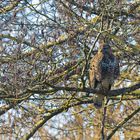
(18, 40)
(128, 13)
(93, 91)
(48, 116)
(35, 49)
(9, 7)
(122, 123)
(63, 108)
(4, 109)
(103, 120)
(33, 90)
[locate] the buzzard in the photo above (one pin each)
(104, 69)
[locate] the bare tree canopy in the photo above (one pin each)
(45, 50)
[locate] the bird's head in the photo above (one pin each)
(106, 49)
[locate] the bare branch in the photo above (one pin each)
(9, 7)
(49, 115)
(122, 123)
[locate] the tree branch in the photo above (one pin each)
(128, 13)
(103, 120)
(111, 93)
(122, 123)
(9, 7)
(93, 91)
(35, 49)
(48, 116)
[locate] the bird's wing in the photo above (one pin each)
(116, 68)
(95, 69)
(92, 73)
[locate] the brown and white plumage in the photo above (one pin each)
(104, 69)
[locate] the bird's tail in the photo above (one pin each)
(98, 101)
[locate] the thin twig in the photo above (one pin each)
(122, 123)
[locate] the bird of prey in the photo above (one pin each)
(104, 69)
